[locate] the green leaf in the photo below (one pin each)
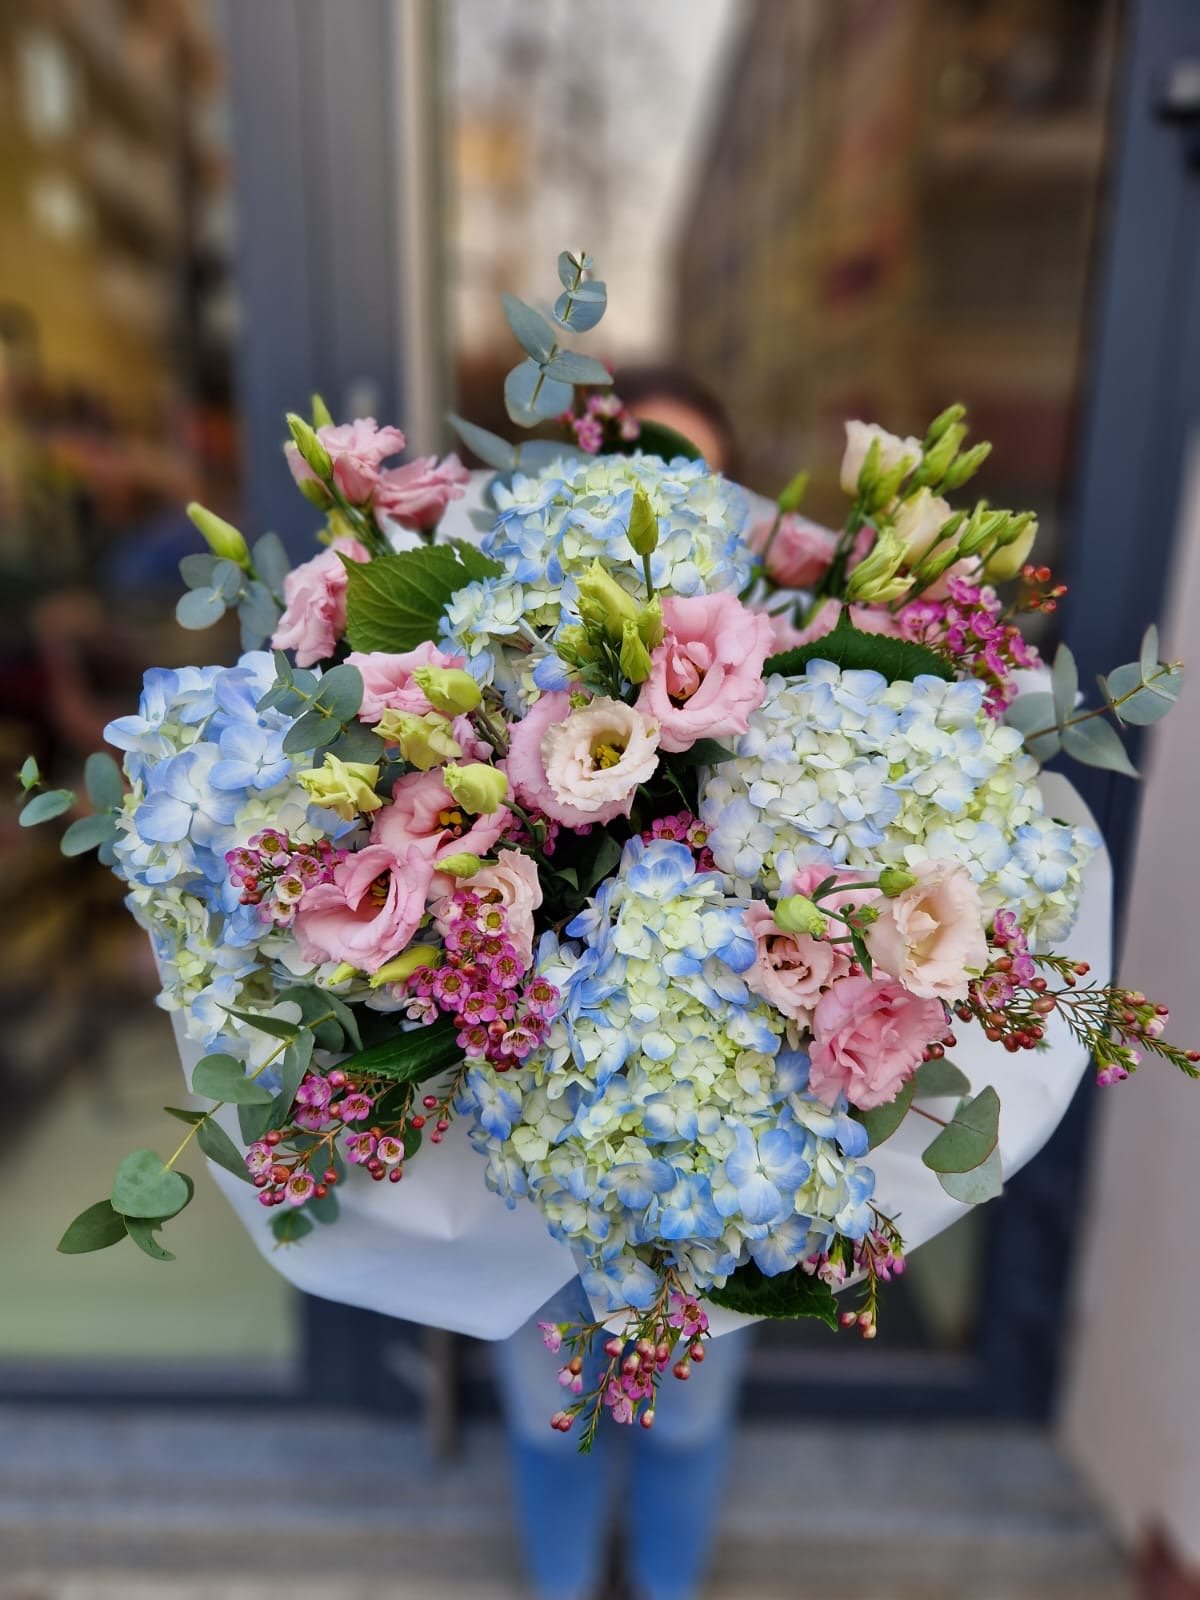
(185, 1114)
(898, 660)
(358, 743)
(1028, 714)
(530, 397)
(940, 1079)
(1097, 744)
(656, 439)
(791, 1294)
(290, 1226)
(316, 1003)
(881, 1122)
(222, 1077)
(341, 692)
(275, 1026)
(324, 1209)
(1148, 654)
(199, 608)
(410, 1057)
(1151, 696)
(219, 1147)
(271, 561)
(582, 308)
(704, 753)
(94, 1229)
(142, 1230)
(30, 774)
(570, 267)
(102, 780)
(291, 1070)
(982, 1183)
(313, 731)
(411, 1140)
(395, 603)
(196, 569)
(253, 1122)
(491, 449)
(572, 366)
(45, 807)
(1065, 679)
(88, 833)
(604, 859)
(344, 1014)
(143, 1187)
(969, 1138)
(530, 329)
(257, 615)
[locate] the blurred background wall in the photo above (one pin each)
(815, 210)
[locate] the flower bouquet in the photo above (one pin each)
(650, 860)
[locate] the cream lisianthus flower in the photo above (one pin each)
(596, 757)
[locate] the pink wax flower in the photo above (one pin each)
(424, 813)
(868, 1038)
(369, 912)
(315, 597)
(581, 766)
(790, 969)
(512, 883)
(416, 495)
(357, 450)
(930, 937)
(800, 552)
(388, 679)
(706, 675)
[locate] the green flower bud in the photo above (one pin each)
(635, 658)
(342, 973)
(792, 497)
(796, 913)
(895, 880)
(424, 742)
(312, 451)
(462, 865)
(603, 604)
(478, 788)
(967, 465)
(403, 966)
(944, 420)
(1004, 563)
(937, 459)
(650, 624)
(315, 493)
(876, 578)
(449, 690)
(221, 537)
(643, 524)
(320, 413)
(934, 564)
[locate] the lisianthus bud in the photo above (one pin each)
(1008, 560)
(792, 497)
(643, 524)
(796, 913)
(478, 788)
(944, 420)
(347, 787)
(315, 492)
(934, 564)
(939, 456)
(895, 880)
(967, 465)
(461, 865)
(635, 658)
(320, 413)
(876, 578)
(449, 690)
(312, 451)
(650, 624)
(424, 742)
(403, 966)
(603, 604)
(221, 537)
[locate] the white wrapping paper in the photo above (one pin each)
(440, 1249)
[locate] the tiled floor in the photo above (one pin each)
(159, 1506)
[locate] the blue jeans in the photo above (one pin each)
(565, 1501)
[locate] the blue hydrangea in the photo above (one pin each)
(665, 1120)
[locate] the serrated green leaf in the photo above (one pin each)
(142, 1230)
(1097, 744)
(984, 1182)
(88, 833)
(143, 1187)
(45, 807)
(881, 1122)
(1065, 680)
(572, 366)
(897, 660)
(410, 1057)
(103, 782)
(791, 1294)
(94, 1229)
(219, 1147)
(969, 1138)
(222, 1077)
(491, 449)
(941, 1079)
(395, 603)
(529, 328)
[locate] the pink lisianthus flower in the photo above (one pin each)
(790, 969)
(424, 813)
(581, 766)
(416, 495)
(868, 1038)
(706, 675)
(357, 450)
(512, 881)
(800, 552)
(315, 603)
(388, 679)
(369, 912)
(931, 937)
(867, 619)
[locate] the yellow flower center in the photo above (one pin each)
(606, 754)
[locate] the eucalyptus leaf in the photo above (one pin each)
(142, 1230)
(46, 806)
(219, 1147)
(341, 692)
(94, 1229)
(103, 782)
(941, 1079)
(257, 615)
(313, 731)
(969, 1138)
(357, 742)
(291, 1069)
(29, 775)
(88, 833)
(199, 608)
(534, 454)
(324, 1208)
(571, 366)
(881, 1122)
(531, 397)
(1065, 680)
(144, 1187)
(253, 1122)
(530, 329)
(581, 309)
(1096, 744)
(984, 1182)
(1031, 713)
(271, 561)
(1148, 654)
(791, 1294)
(223, 1077)
(276, 1027)
(491, 449)
(290, 1226)
(1150, 697)
(571, 268)
(196, 570)
(228, 579)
